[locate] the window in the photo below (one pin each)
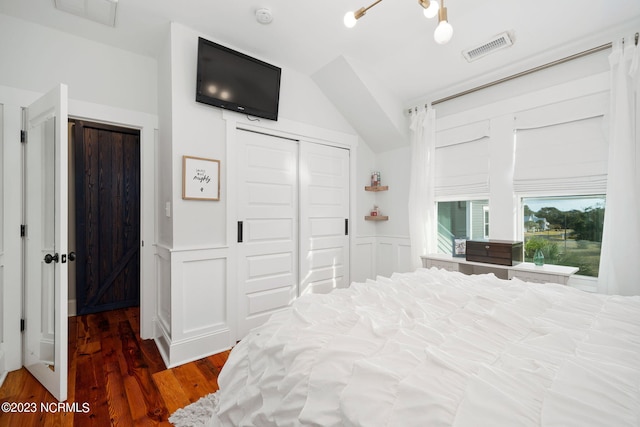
(485, 212)
(461, 219)
(568, 230)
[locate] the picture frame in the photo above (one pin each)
(459, 247)
(200, 178)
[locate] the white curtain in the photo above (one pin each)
(619, 266)
(422, 216)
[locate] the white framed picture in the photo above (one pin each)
(200, 178)
(459, 246)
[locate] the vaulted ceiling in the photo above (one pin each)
(392, 45)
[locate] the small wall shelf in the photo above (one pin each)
(376, 188)
(376, 218)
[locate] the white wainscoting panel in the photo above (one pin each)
(364, 259)
(381, 256)
(385, 258)
(163, 275)
(193, 301)
(204, 295)
(403, 256)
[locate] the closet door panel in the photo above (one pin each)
(324, 210)
(268, 209)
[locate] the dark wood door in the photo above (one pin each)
(107, 179)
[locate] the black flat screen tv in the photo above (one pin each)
(237, 82)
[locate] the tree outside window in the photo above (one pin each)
(568, 230)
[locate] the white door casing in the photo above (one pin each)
(45, 213)
(324, 218)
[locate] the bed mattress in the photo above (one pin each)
(439, 348)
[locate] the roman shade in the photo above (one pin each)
(562, 148)
(462, 161)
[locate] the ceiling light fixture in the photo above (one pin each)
(351, 18)
(431, 8)
(444, 30)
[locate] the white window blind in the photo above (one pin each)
(462, 161)
(562, 148)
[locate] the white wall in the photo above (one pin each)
(512, 89)
(37, 58)
(364, 256)
(499, 106)
(164, 171)
(199, 130)
(394, 167)
(383, 247)
(196, 257)
(106, 85)
(394, 247)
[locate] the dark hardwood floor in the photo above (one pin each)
(115, 378)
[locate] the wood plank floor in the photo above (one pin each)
(121, 378)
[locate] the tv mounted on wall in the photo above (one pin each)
(235, 81)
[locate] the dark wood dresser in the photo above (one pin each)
(502, 252)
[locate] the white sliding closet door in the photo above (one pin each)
(293, 210)
(324, 213)
(268, 210)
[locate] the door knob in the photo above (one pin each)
(48, 258)
(72, 256)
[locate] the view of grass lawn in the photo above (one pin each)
(560, 248)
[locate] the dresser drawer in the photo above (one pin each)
(532, 277)
(445, 265)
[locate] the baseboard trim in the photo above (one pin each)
(3, 372)
(185, 351)
(72, 307)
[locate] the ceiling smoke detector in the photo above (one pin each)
(500, 41)
(264, 16)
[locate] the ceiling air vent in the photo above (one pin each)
(498, 42)
(102, 11)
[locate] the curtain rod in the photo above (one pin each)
(524, 73)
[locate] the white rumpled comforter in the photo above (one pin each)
(435, 348)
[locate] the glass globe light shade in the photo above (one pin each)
(443, 33)
(350, 20)
(432, 10)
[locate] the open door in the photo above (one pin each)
(45, 241)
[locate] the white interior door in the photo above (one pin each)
(3, 371)
(324, 213)
(268, 226)
(45, 242)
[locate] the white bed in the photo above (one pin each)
(436, 348)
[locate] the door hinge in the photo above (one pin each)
(21, 325)
(23, 136)
(23, 230)
(240, 233)
(346, 226)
